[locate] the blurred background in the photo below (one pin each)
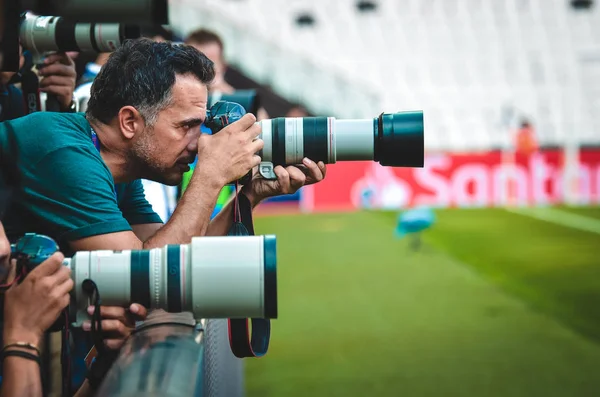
(476, 275)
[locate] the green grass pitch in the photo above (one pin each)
(493, 304)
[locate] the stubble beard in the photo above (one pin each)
(143, 158)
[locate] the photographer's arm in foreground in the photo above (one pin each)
(30, 308)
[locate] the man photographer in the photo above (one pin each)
(145, 110)
(80, 175)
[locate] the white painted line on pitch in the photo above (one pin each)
(560, 217)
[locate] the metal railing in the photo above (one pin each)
(172, 356)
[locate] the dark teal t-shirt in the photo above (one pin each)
(64, 189)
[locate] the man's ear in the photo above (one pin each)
(131, 122)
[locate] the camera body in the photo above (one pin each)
(32, 249)
(219, 116)
(248, 99)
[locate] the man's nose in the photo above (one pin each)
(192, 146)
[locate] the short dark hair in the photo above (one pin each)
(141, 73)
(204, 36)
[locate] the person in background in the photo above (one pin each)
(211, 45)
(57, 77)
(297, 111)
(526, 142)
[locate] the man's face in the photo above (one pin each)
(4, 249)
(214, 53)
(166, 149)
(296, 112)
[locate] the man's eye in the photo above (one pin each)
(190, 128)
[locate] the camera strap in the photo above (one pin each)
(31, 91)
(96, 143)
(243, 341)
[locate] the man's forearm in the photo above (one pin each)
(20, 378)
(191, 218)
(192, 215)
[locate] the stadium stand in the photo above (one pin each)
(476, 67)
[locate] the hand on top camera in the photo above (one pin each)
(59, 78)
(32, 306)
(117, 323)
(231, 153)
(289, 180)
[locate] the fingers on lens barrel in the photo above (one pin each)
(250, 118)
(254, 131)
(283, 177)
(257, 145)
(247, 121)
(49, 267)
(63, 274)
(297, 177)
(66, 286)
